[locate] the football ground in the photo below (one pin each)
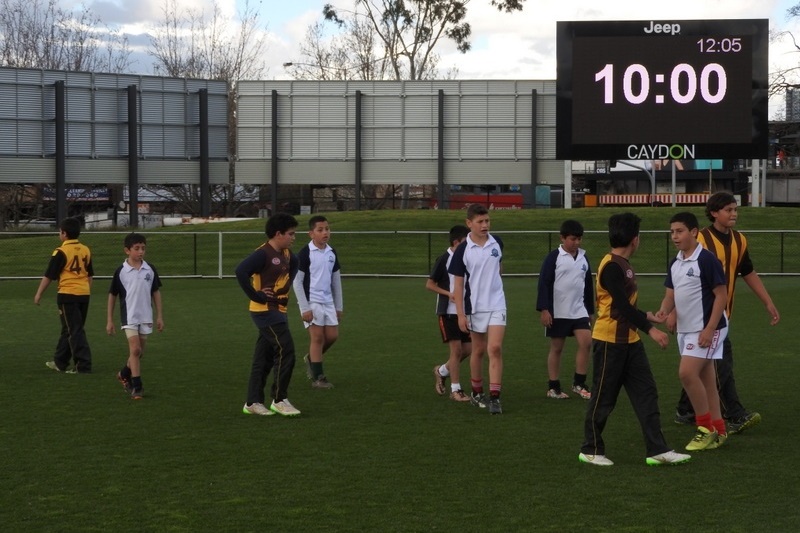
(381, 451)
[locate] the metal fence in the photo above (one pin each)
(371, 253)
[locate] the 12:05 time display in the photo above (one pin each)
(685, 83)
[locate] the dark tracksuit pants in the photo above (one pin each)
(73, 344)
(616, 366)
(274, 351)
(732, 408)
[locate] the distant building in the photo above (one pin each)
(792, 105)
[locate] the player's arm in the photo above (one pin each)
(159, 314)
(613, 279)
(458, 297)
(255, 262)
(665, 309)
(112, 300)
(40, 291)
(338, 295)
(757, 286)
(720, 301)
(54, 268)
(544, 289)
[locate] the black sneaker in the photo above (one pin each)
(478, 400)
(737, 425)
(494, 406)
(686, 419)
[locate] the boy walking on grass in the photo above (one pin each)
(730, 247)
(318, 289)
(566, 301)
(619, 358)
(266, 278)
(71, 265)
(696, 292)
(459, 342)
(481, 304)
(137, 285)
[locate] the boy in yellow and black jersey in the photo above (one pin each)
(618, 355)
(71, 265)
(266, 278)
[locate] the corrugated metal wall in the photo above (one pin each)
(96, 108)
(487, 135)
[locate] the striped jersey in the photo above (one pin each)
(731, 250)
(613, 323)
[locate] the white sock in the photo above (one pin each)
(443, 371)
(455, 387)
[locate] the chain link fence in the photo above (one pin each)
(371, 253)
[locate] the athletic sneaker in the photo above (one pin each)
(558, 395)
(737, 425)
(307, 361)
(684, 419)
(256, 409)
(701, 439)
(284, 408)
(137, 394)
(125, 383)
(668, 458)
(52, 366)
(459, 396)
(440, 384)
(599, 460)
(719, 441)
(582, 391)
(321, 383)
(478, 400)
(494, 406)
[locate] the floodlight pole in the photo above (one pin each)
(649, 174)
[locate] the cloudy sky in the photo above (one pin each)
(504, 46)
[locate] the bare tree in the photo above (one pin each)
(40, 34)
(192, 44)
(386, 39)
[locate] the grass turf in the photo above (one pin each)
(379, 452)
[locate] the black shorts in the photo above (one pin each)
(448, 326)
(565, 327)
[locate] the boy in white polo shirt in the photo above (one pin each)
(137, 285)
(318, 288)
(481, 303)
(566, 302)
(696, 291)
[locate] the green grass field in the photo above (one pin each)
(379, 452)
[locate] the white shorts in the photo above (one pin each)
(480, 322)
(323, 315)
(132, 330)
(688, 345)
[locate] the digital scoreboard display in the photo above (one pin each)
(682, 89)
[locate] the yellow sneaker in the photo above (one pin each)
(719, 441)
(702, 439)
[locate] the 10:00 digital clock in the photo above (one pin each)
(693, 83)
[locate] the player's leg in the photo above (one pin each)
(135, 346)
(259, 368)
(583, 338)
(608, 366)
(81, 352)
(689, 371)
(331, 335)
(554, 368)
(476, 367)
(494, 348)
(640, 384)
(282, 349)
